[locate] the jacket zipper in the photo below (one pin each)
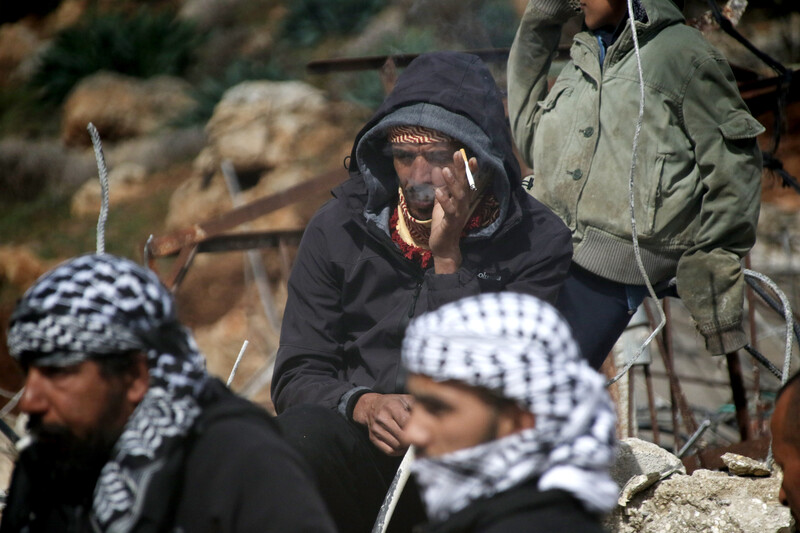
(405, 319)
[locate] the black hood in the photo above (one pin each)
(450, 92)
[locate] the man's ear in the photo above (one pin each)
(139, 380)
(525, 420)
(514, 419)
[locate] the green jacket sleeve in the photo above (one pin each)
(709, 275)
(528, 64)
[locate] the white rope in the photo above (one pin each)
(789, 318)
(634, 234)
(787, 315)
(103, 173)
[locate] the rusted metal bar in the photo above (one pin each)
(350, 64)
(631, 407)
(694, 438)
(651, 404)
(181, 265)
(229, 242)
(174, 242)
(254, 258)
(759, 94)
(676, 425)
(679, 402)
(388, 73)
(739, 394)
(704, 381)
(609, 370)
(683, 404)
(711, 458)
(286, 262)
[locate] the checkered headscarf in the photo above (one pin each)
(519, 347)
(101, 306)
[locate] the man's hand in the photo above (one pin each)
(450, 214)
(385, 415)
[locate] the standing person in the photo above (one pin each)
(128, 431)
(785, 427)
(513, 431)
(697, 182)
(404, 235)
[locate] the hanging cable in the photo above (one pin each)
(787, 315)
(634, 234)
(772, 303)
(102, 171)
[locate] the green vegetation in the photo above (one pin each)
(308, 21)
(142, 44)
(47, 225)
(500, 22)
(365, 88)
(209, 92)
(22, 114)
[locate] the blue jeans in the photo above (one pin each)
(598, 310)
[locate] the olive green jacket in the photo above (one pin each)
(697, 181)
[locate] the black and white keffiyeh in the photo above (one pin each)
(97, 305)
(521, 348)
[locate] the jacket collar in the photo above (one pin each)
(585, 49)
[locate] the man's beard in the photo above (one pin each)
(74, 460)
(420, 195)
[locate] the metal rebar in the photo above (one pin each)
(648, 380)
(253, 256)
(739, 394)
(696, 435)
(758, 356)
(772, 303)
(6, 430)
(677, 398)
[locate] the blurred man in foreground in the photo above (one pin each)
(513, 431)
(128, 431)
(785, 426)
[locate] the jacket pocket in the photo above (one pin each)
(741, 126)
(552, 130)
(653, 199)
(552, 97)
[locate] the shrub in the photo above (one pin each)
(209, 92)
(500, 22)
(308, 21)
(32, 169)
(143, 44)
(365, 88)
(23, 115)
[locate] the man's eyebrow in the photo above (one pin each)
(430, 401)
(54, 370)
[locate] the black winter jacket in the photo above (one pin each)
(522, 509)
(351, 291)
(233, 474)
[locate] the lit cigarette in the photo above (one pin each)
(470, 179)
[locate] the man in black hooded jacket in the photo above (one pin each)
(409, 232)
